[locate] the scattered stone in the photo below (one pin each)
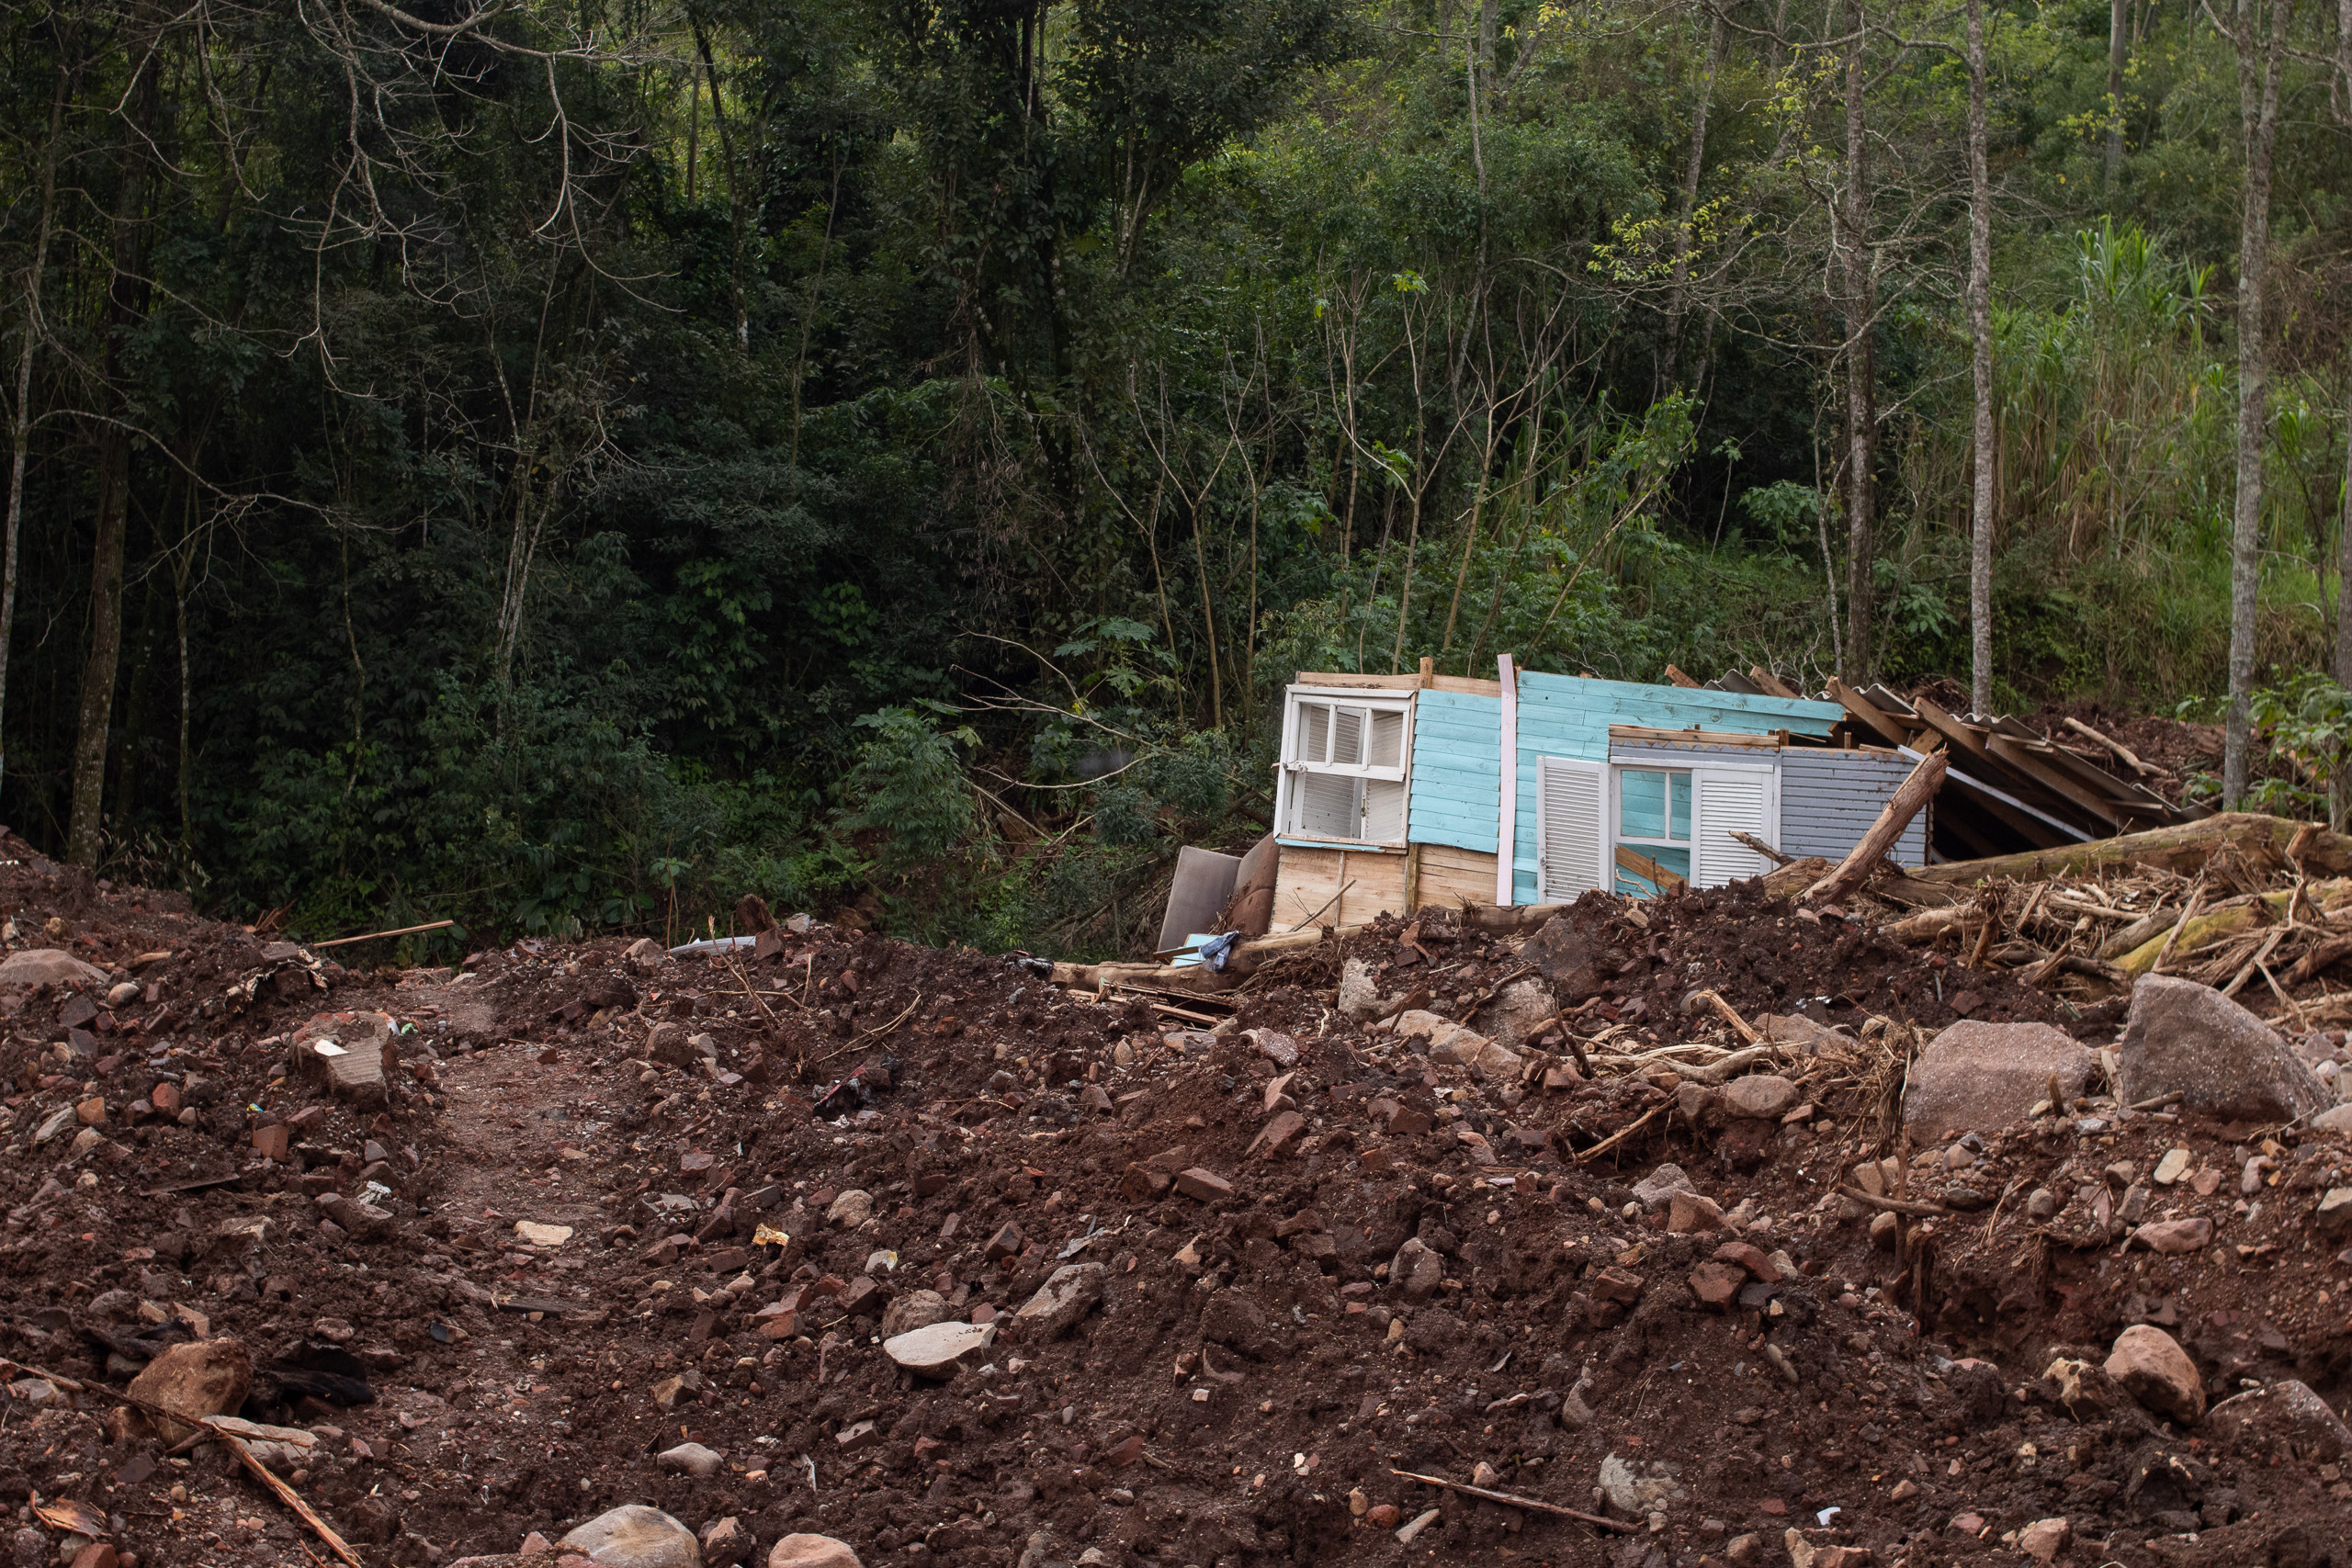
(2284, 1415)
(725, 1543)
(1271, 1138)
(1067, 1295)
(916, 1309)
(2042, 1204)
(811, 1552)
(1359, 998)
(851, 1209)
(1416, 1271)
(1457, 1044)
(1275, 1046)
(1383, 1516)
(208, 1377)
(2186, 1038)
(2337, 1120)
(542, 1235)
(633, 1536)
(692, 1459)
(2192, 1234)
(2151, 1363)
(1717, 1284)
(1204, 1184)
(1688, 1212)
(2335, 1213)
(2044, 1539)
(2169, 1169)
(937, 1350)
(1759, 1097)
(1660, 1185)
(1975, 1076)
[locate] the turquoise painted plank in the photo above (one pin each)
(1783, 712)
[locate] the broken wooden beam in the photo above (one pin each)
(1909, 799)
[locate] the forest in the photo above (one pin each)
(560, 468)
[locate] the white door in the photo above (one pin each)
(1725, 798)
(1571, 829)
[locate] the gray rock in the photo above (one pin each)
(2286, 1413)
(30, 1547)
(1519, 1013)
(692, 1459)
(916, 1309)
(48, 966)
(1359, 998)
(938, 1349)
(2335, 1213)
(2186, 1038)
(851, 1209)
(1568, 956)
(633, 1536)
(1068, 1294)
(1661, 1185)
(1760, 1097)
(2338, 1120)
(1977, 1077)
(1416, 1270)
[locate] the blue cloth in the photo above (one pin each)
(1214, 951)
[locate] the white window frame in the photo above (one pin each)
(1696, 766)
(1689, 843)
(1289, 772)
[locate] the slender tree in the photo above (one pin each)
(1980, 340)
(1859, 285)
(2260, 37)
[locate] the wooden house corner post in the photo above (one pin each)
(1507, 826)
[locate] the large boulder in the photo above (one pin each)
(1975, 1076)
(633, 1536)
(2285, 1416)
(2159, 1373)
(48, 966)
(1568, 954)
(2190, 1039)
(204, 1377)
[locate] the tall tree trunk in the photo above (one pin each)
(2339, 803)
(1859, 285)
(2118, 14)
(2260, 56)
(85, 831)
(1980, 334)
(126, 302)
(20, 417)
(1670, 361)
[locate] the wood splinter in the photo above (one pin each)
(1511, 1500)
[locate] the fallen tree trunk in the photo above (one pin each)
(2229, 918)
(1907, 802)
(2184, 849)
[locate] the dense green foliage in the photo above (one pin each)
(566, 468)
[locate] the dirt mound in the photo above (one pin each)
(607, 1206)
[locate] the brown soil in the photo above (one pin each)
(1250, 1369)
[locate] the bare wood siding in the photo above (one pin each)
(1452, 877)
(1308, 878)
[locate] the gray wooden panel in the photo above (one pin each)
(1828, 800)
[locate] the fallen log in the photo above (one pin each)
(1909, 799)
(2184, 849)
(2226, 918)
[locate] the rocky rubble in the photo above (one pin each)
(832, 1251)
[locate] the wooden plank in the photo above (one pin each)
(1771, 685)
(2022, 758)
(1641, 866)
(1969, 743)
(1375, 887)
(1678, 677)
(1634, 733)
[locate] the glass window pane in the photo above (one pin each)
(1682, 806)
(1635, 868)
(1641, 804)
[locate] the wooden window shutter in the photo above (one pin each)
(1728, 800)
(1571, 829)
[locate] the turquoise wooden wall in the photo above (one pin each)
(1458, 748)
(1457, 794)
(1565, 715)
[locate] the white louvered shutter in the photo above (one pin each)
(1725, 800)
(1326, 805)
(1383, 811)
(1571, 827)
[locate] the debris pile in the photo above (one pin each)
(1723, 1228)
